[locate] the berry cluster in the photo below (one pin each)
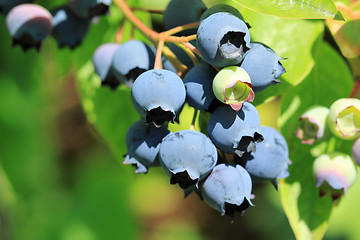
(222, 80)
(335, 171)
(29, 24)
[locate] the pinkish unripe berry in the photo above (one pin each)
(312, 124)
(334, 173)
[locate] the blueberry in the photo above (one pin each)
(7, 5)
(29, 25)
(263, 66)
(158, 95)
(221, 8)
(235, 132)
(131, 59)
(143, 144)
(223, 39)
(102, 60)
(199, 92)
(228, 189)
(88, 9)
(270, 159)
(68, 29)
(344, 118)
(334, 173)
(232, 85)
(187, 157)
(181, 12)
(312, 124)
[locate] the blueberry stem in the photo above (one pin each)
(120, 32)
(189, 53)
(158, 62)
(180, 67)
(153, 35)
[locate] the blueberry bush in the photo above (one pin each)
(152, 119)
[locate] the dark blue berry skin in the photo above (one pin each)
(270, 158)
(198, 84)
(181, 12)
(143, 144)
(235, 132)
(88, 9)
(29, 25)
(187, 157)
(223, 39)
(131, 59)
(102, 61)
(158, 95)
(221, 8)
(228, 189)
(263, 66)
(7, 5)
(68, 29)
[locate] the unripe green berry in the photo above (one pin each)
(232, 85)
(312, 124)
(344, 118)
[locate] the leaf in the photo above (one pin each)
(110, 111)
(305, 9)
(329, 80)
(346, 32)
(292, 39)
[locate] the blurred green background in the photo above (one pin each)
(60, 179)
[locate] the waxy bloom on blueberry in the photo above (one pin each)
(143, 144)
(334, 173)
(29, 24)
(270, 160)
(232, 85)
(228, 189)
(263, 66)
(344, 118)
(312, 124)
(187, 157)
(158, 95)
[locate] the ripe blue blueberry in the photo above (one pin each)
(263, 66)
(102, 60)
(143, 144)
(7, 5)
(235, 132)
(221, 8)
(29, 25)
(270, 159)
(181, 12)
(223, 39)
(228, 189)
(131, 59)
(199, 93)
(68, 29)
(187, 157)
(158, 95)
(88, 9)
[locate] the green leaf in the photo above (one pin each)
(292, 39)
(305, 9)
(329, 80)
(110, 111)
